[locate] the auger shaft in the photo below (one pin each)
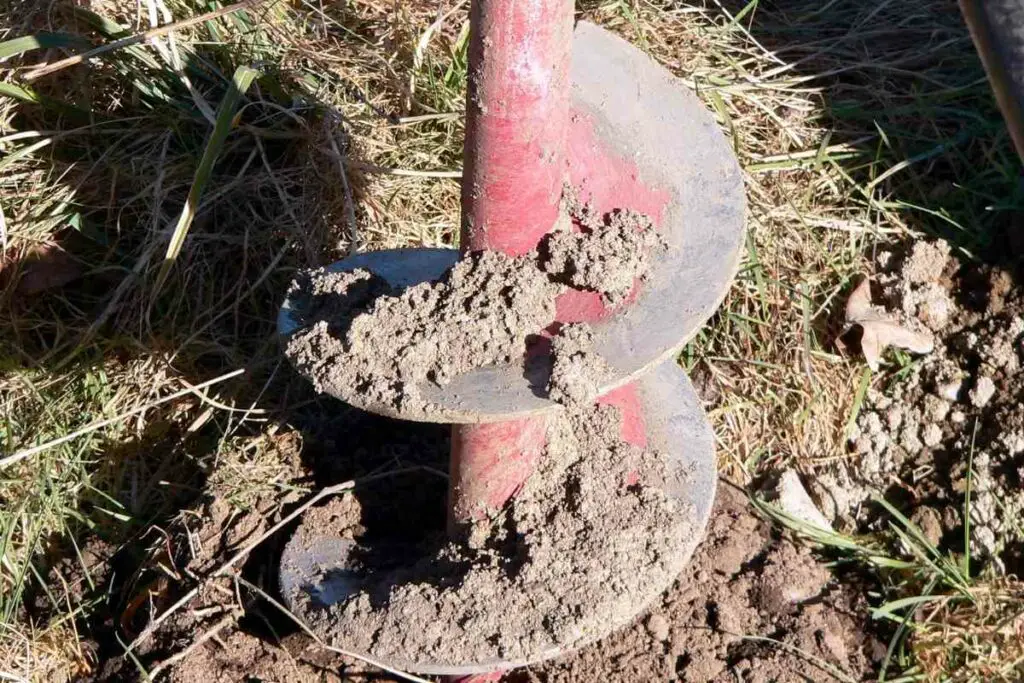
(517, 117)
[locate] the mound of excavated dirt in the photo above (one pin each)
(592, 534)
(741, 588)
(918, 433)
(741, 581)
(360, 336)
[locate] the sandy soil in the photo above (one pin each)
(593, 534)
(750, 607)
(361, 338)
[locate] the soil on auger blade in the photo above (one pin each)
(361, 337)
(593, 535)
(608, 253)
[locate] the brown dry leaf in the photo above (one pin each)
(47, 266)
(879, 330)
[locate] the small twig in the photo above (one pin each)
(204, 612)
(350, 207)
(319, 641)
(248, 548)
(413, 120)
(128, 41)
(834, 671)
(3, 231)
(100, 424)
(210, 633)
(201, 395)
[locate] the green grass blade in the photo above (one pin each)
(900, 634)
(967, 503)
(115, 31)
(41, 40)
(109, 29)
(889, 609)
(23, 152)
(858, 401)
(890, 563)
(18, 93)
(240, 83)
(747, 9)
(913, 534)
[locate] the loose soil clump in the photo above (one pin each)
(479, 314)
(577, 372)
(963, 401)
(605, 256)
(360, 336)
(593, 532)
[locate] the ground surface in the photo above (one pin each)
(962, 399)
(863, 128)
(750, 607)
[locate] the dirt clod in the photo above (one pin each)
(658, 627)
(795, 501)
(592, 535)
(983, 392)
(577, 371)
(479, 314)
(604, 256)
(963, 400)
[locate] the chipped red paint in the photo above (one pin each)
(522, 145)
(627, 400)
(517, 115)
(492, 677)
(490, 462)
(605, 178)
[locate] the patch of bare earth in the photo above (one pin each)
(751, 606)
(949, 422)
(224, 633)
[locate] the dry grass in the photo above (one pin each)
(51, 654)
(103, 172)
(852, 123)
(857, 124)
(981, 639)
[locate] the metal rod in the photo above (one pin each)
(997, 28)
(517, 116)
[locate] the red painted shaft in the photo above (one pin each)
(517, 118)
